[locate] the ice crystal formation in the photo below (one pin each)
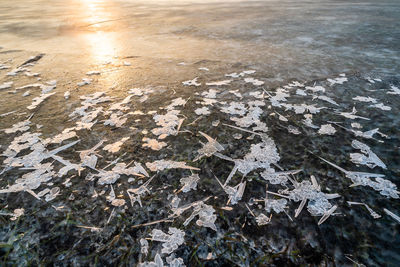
(221, 157)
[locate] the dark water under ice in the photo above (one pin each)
(157, 45)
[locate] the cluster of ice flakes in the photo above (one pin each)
(171, 241)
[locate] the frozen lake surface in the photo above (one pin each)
(215, 133)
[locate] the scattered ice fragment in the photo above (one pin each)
(327, 214)
(144, 246)
(308, 121)
(235, 108)
(206, 215)
(273, 177)
(300, 92)
(372, 212)
(351, 115)
(365, 99)
(253, 81)
(115, 147)
(27, 93)
(339, 80)
(118, 202)
(385, 187)
(53, 193)
(171, 241)
(202, 111)
(241, 74)
(160, 165)
(391, 214)
(326, 99)
(38, 100)
(6, 85)
(22, 126)
(126, 63)
(135, 91)
(356, 125)
(293, 130)
(278, 205)
(67, 94)
(158, 262)
(215, 123)
(116, 120)
(192, 82)
(237, 136)
(219, 83)
(17, 213)
(368, 157)
(327, 129)
(84, 82)
(316, 89)
(394, 90)
(381, 106)
(136, 193)
(153, 144)
(208, 149)
(93, 72)
(203, 68)
(262, 219)
(189, 183)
